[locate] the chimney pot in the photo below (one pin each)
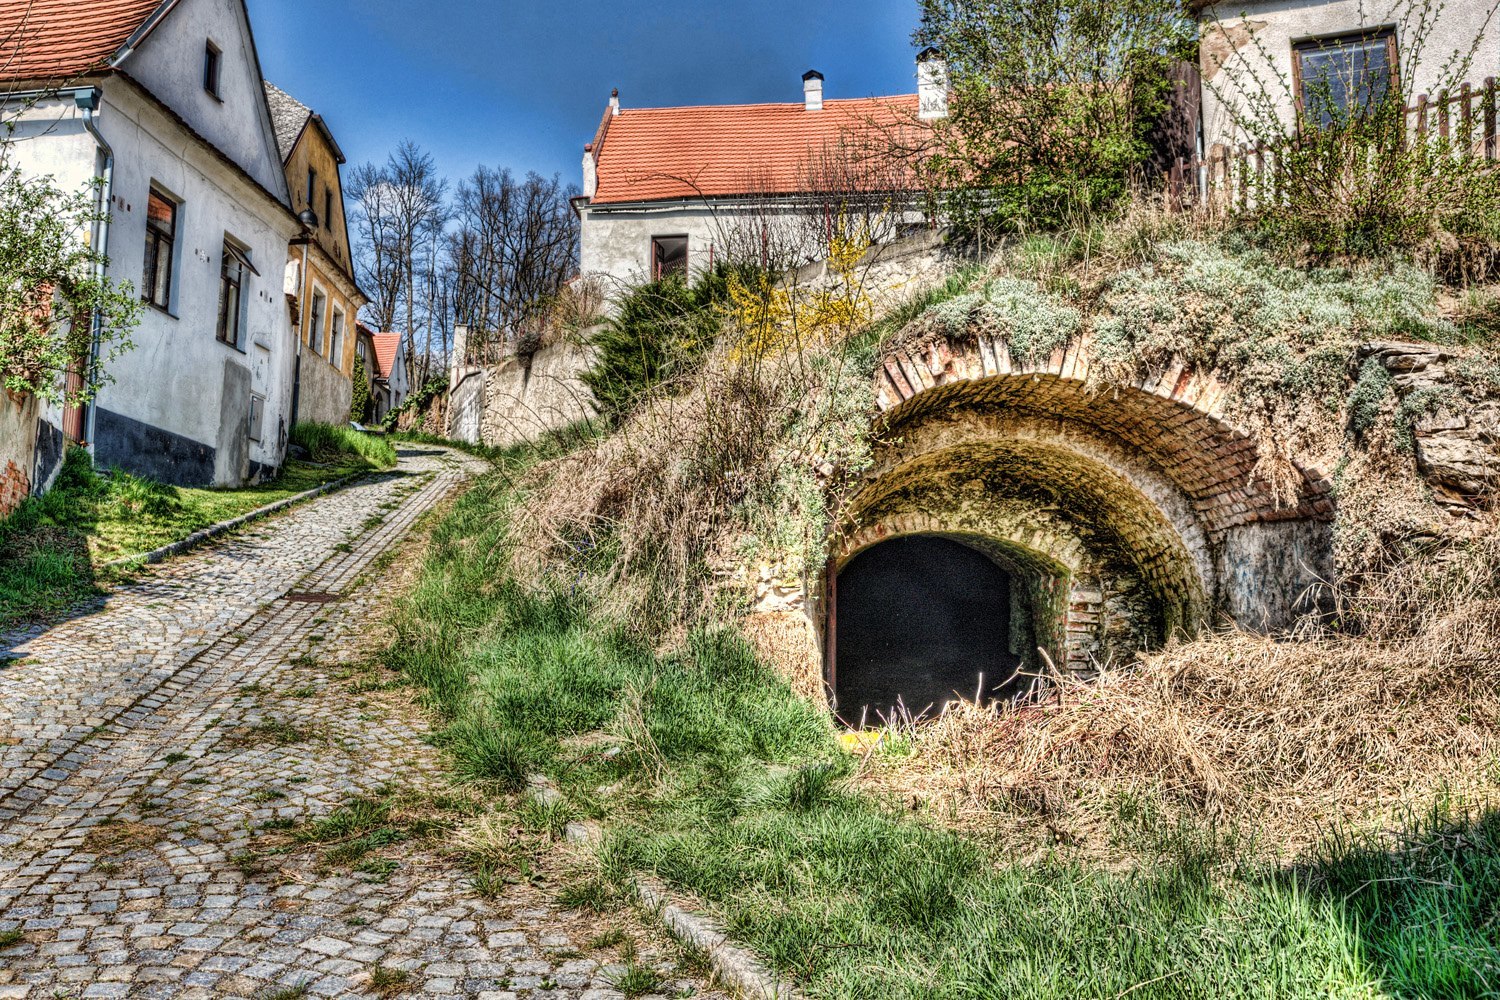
(614, 102)
(812, 90)
(932, 84)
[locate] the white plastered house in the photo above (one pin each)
(161, 103)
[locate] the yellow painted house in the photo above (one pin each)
(321, 288)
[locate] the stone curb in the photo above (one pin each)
(736, 967)
(197, 538)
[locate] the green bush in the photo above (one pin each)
(361, 404)
(331, 443)
(660, 331)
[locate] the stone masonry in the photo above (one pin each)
(154, 743)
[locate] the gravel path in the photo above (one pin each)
(152, 747)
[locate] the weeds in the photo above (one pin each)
(331, 443)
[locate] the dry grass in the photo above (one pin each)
(658, 511)
(1280, 739)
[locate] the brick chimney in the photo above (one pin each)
(812, 90)
(932, 84)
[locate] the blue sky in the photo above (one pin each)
(523, 84)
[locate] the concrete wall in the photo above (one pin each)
(522, 398)
(615, 242)
(1247, 50)
(466, 405)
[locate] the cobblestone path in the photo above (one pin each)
(151, 746)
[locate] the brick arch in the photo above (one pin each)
(1140, 500)
(1063, 506)
(1174, 420)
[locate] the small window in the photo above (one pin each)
(257, 415)
(312, 186)
(315, 322)
(212, 61)
(232, 276)
(336, 338)
(161, 238)
(669, 257)
(1344, 78)
(328, 210)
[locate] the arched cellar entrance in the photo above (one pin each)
(1121, 516)
(926, 619)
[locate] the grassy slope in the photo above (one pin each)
(728, 786)
(53, 550)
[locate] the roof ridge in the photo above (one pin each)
(772, 104)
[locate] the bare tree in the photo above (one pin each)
(400, 217)
(512, 246)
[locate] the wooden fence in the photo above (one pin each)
(1458, 123)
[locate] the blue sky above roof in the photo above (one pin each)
(523, 84)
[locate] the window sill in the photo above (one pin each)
(161, 309)
(233, 347)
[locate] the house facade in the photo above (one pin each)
(673, 191)
(386, 364)
(162, 105)
(1265, 58)
(321, 289)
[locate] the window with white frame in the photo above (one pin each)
(161, 243)
(336, 338)
(234, 275)
(315, 319)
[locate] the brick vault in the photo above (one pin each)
(1122, 516)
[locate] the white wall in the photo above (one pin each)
(1248, 43)
(174, 379)
(169, 63)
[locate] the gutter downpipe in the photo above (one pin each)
(88, 102)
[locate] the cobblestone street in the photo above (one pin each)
(150, 745)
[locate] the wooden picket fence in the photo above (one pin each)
(1231, 177)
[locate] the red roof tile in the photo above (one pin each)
(53, 40)
(657, 154)
(387, 345)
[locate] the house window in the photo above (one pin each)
(312, 186)
(328, 210)
(161, 237)
(669, 257)
(315, 322)
(212, 61)
(232, 293)
(1346, 77)
(336, 339)
(257, 415)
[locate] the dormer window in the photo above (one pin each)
(212, 61)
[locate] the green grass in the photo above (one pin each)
(53, 549)
(333, 443)
(733, 789)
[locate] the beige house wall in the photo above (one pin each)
(1247, 48)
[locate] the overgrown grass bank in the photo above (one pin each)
(709, 773)
(53, 548)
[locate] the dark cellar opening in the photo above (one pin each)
(918, 621)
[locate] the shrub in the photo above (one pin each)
(1051, 107)
(331, 443)
(659, 332)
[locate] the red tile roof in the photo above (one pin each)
(657, 154)
(53, 40)
(387, 346)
